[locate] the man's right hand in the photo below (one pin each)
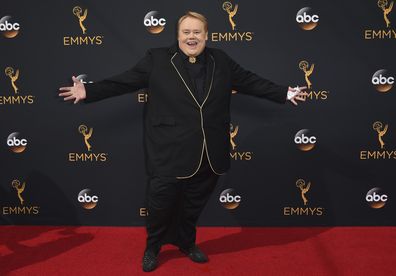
(76, 92)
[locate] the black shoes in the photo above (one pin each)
(150, 257)
(150, 261)
(195, 254)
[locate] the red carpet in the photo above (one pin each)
(35, 250)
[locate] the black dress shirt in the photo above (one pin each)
(197, 73)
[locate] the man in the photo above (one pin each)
(186, 128)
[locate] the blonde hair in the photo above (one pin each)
(196, 15)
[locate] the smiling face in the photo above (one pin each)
(192, 36)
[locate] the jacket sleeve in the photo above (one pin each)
(129, 81)
(246, 82)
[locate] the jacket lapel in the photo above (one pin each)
(210, 68)
(177, 63)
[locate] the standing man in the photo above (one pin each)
(186, 128)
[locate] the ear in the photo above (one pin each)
(206, 36)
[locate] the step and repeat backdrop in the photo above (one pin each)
(328, 161)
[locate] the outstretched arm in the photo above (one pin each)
(129, 81)
(249, 83)
(246, 82)
(76, 92)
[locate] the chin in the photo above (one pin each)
(196, 52)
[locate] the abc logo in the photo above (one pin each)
(229, 199)
(154, 23)
(305, 20)
(16, 144)
(87, 201)
(376, 198)
(304, 141)
(10, 30)
(148, 22)
(381, 82)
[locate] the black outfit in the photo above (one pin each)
(174, 206)
(186, 131)
(197, 73)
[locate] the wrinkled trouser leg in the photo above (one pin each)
(174, 206)
(195, 195)
(162, 199)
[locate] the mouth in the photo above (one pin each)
(192, 43)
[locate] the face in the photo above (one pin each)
(192, 36)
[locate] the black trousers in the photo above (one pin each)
(174, 206)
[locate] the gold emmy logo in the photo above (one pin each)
(304, 188)
(19, 188)
(382, 4)
(304, 66)
(377, 126)
(77, 11)
(234, 153)
(89, 155)
(15, 98)
(234, 34)
(305, 210)
(382, 153)
(386, 32)
(84, 39)
(83, 129)
(317, 94)
(233, 133)
(227, 6)
(23, 208)
(9, 71)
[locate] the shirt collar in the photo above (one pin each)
(200, 58)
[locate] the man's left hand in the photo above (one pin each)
(295, 94)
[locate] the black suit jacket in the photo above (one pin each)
(178, 131)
